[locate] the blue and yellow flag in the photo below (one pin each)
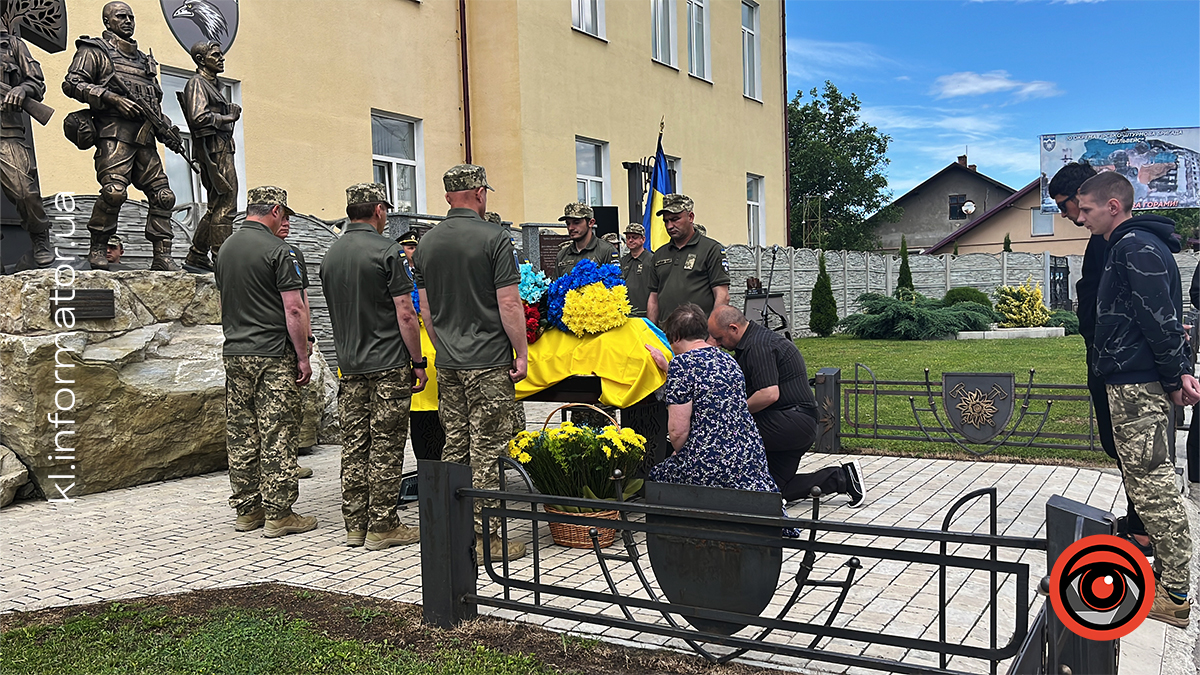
(660, 186)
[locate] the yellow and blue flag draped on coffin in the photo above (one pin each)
(626, 370)
(660, 186)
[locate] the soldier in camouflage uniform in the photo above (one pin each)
(1141, 351)
(309, 418)
(374, 331)
(266, 327)
(467, 277)
(518, 410)
(581, 224)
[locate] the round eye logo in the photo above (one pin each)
(1101, 587)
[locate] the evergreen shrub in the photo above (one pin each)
(914, 317)
(966, 294)
(823, 315)
(1021, 306)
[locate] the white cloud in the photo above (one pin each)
(992, 156)
(820, 59)
(951, 122)
(975, 84)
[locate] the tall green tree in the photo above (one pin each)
(823, 315)
(838, 160)
(905, 281)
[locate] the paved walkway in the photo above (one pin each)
(178, 536)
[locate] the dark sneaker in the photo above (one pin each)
(515, 549)
(1165, 609)
(291, 524)
(303, 472)
(401, 536)
(250, 521)
(855, 488)
(1124, 533)
(356, 537)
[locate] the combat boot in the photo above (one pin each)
(401, 536)
(162, 257)
(98, 254)
(43, 255)
(496, 545)
(292, 523)
(197, 262)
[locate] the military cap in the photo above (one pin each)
(674, 203)
(636, 228)
(366, 193)
(115, 241)
(269, 195)
(701, 229)
(409, 238)
(612, 238)
(492, 217)
(465, 177)
(577, 210)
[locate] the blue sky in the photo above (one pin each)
(990, 76)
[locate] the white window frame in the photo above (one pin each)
(1035, 214)
(589, 180)
(233, 90)
(579, 11)
(668, 54)
(676, 164)
(418, 162)
(752, 47)
(699, 45)
(756, 227)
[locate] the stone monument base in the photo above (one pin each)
(104, 403)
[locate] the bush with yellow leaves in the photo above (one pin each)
(1022, 306)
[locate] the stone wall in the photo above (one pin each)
(104, 404)
(854, 273)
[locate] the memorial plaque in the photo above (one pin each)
(88, 303)
(549, 244)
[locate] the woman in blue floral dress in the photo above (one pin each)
(715, 439)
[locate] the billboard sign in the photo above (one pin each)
(1162, 164)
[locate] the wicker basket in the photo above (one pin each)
(576, 536)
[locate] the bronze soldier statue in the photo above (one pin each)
(21, 85)
(211, 119)
(120, 85)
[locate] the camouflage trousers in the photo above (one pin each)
(1140, 414)
(374, 414)
(518, 416)
(309, 421)
(476, 408)
(260, 422)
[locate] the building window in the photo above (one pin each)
(698, 54)
(395, 157)
(751, 72)
(589, 171)
(662, 35)
(1042, 224)
(674, 165)
(588, 16)
(184, 182)
(956, 204)
(756, 233)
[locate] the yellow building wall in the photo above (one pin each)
(310, 77)
(1015, 221)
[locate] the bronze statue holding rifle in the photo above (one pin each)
(124, 121)
(22, 87)
(211, 119)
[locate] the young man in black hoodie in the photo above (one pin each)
(1063, 189)
(1142, 353)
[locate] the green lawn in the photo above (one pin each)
(1054, 360)
(130, 639)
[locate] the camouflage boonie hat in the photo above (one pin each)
(115, 241)
(612, 238)
(492, 217)
(577, 210)
(674, 203)
(465, 177)
(269, 195)
(409, 238)
(366, 193)
(636, 228)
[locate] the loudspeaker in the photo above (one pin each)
(607, 220)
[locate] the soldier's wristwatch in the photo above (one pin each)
(422, 364)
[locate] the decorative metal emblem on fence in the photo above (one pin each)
(979, 405)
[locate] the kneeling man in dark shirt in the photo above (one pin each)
(783, 406)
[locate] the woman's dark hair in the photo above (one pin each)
(360, 212)
(1068, 179)
(687, 322)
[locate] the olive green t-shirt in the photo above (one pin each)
(636, 272)
(461, 263)
(688, 274)
(254, 268)
(597, 250)
(361, 273)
